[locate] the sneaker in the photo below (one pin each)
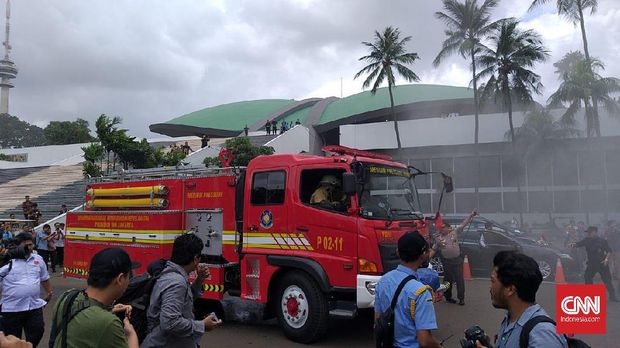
(461, 302)
(450, 300)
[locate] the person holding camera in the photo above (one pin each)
(414, 314)
(515, 279)
(21, 279)
(447, 243)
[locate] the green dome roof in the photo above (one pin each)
(230, 119)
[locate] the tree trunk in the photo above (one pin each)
(394, 116)
(596, 128)
(514, 152)
(476, 128)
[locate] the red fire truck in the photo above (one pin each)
(264, 240)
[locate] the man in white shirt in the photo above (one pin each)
(21, 280)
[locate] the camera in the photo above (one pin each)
(473, 334)
(13, 251)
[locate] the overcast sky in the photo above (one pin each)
(150, 61)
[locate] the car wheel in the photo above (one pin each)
(437, 265)
(301, 308)
(546, 269)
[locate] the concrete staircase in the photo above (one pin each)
(49, 187)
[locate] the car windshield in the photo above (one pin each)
(389, 194)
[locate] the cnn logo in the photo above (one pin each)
(586, 305)
(580, 309)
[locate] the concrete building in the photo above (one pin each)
(558, 178)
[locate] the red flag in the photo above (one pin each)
(438, 221)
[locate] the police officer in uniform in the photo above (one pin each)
(599, 252)
(414, 315)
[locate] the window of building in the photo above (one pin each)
(268, 188)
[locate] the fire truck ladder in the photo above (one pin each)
(165, 172)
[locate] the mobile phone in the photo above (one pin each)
(214, 316)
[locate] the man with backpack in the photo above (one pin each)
(86, 318)
(515, 279)
(404, 312)
(170, 314)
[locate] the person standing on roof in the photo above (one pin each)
(268, 127)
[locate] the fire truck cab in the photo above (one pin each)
(306, 235)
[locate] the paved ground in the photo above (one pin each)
(453, 319)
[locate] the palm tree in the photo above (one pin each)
(508, 65)
(573, 11)
(387, 52)
(538, 127)
(580, 84)
(468, 24)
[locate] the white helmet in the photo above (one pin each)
(331, 180)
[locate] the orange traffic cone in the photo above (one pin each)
(466, 269)
(559, 273)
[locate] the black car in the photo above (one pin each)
(481, 245)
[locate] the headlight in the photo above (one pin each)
(370, 286)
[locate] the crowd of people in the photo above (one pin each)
(271, 127)
(90, 317)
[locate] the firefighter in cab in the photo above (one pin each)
(329, 194)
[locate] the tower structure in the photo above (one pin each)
(8, 70)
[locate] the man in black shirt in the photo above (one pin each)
(599, 252)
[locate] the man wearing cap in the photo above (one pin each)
(414, 314)
(94, 323)
(598, 252)
(171, 321)
(21, 281)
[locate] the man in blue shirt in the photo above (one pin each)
(414, 315)
(514, 282)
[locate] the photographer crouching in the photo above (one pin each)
(21, 276)
(514, 282)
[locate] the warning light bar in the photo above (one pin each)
(343, 150)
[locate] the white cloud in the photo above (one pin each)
(150, 61)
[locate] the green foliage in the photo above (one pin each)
(4, 157)
(508, 63)
(17, 133)
(242, 152)
(388, 53)
(580, 84)
(91, 169)
(67, 132)
(467, 26)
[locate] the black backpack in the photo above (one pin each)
(529, 325)
(138, 295)
(384, 325)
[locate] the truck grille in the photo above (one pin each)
(389, 257)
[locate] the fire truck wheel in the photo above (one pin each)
(301, 308)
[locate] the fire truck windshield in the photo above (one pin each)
(389, 194)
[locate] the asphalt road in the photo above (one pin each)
(453, 320)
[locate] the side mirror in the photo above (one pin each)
(447, 183)
(348, 183)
